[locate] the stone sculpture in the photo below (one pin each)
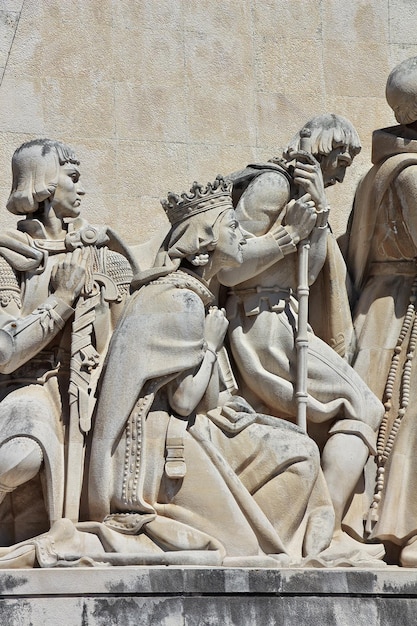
(263, 314)
(382, 258)
(180, 470)
(169, 464)
(63, 283)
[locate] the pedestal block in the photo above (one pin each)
(204, 596)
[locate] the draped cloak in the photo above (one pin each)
(263, 316)
(231, 501)
(381, 258)
(329, 310)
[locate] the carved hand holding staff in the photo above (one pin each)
(302, 295)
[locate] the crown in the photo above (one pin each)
(200, 199)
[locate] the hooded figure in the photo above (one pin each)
(382, 260)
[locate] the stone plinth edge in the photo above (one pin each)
(190, 596)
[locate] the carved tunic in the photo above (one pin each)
(263, 324)
(37, 341)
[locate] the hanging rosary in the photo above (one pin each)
(384, 449)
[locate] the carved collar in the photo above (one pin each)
(394, 140)
(80, 233)
(185, 279)
(36, 229)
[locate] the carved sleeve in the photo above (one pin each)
(260, 212)
(22, 338)
(318, 252)
(263, 203)
(259, 253)
(9, 285)
(119, 270)
(405, 197)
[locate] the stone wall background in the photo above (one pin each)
(154, 94)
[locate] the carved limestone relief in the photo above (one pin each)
(63, 283)
(382, 260)
(154, 403)
(279, 206)
(181, 470)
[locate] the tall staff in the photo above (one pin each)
(303, 291)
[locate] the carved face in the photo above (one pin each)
(404, 107)
(67, 196)
(228, 251)
(334, 165)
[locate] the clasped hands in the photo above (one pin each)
(310, 209)
(68, 275)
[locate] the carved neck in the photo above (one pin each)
(55, 227)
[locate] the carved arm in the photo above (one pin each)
(22, 338)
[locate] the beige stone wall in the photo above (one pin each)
(156, 93)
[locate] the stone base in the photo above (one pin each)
(189, 596)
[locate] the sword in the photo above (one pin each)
(84, 369)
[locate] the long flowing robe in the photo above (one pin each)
(381, 257)
(238, 471)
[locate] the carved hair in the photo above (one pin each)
(401, 91)
(35, 168)
(328, 131)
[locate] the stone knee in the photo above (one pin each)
(359, 429)
(20, 460)
(309, 465)
(301, 455)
